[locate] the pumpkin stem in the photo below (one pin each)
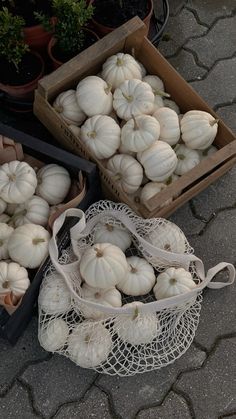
(158, 92)
(119, 62)
(58, 108)
(38, 240)
(87, 339)
(6, 284)
(12, 177)
(97, 295)
(215, 121)
(167, 247)
(92, 134)
(133, 269)
(172, 281)
(169, 180)
(136, 313)
(99, 252)
(136, 126)
(117, 177)
(109, 227)
(181, 156)
(128, 98)
(108, 88)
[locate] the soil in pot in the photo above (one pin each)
(109, 13)
(28, 70)
(26, 9)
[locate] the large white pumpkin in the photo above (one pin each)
(187, 159)
(5, 233)
(108, 233)
(168, 237)
(53, 336)
(198, 129)
(133, 98)
(159, 161)
(140, 277)
(18, 182)
(110, 297)
(169, 125)
(94, 96)
(35, 211)
(89, 344)
(103, 265)
(53, 183)
(28, 245)
(174, 281)
(120, 67)
(151, 189)
(101, 134)
(54, 297)
(13, 279)
(140, 132)
(126, 171)
(68, 108)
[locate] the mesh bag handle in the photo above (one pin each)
(81, 229)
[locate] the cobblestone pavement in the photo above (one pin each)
(202, 383)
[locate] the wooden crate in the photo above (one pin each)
(131, 38)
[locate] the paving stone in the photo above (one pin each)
(16, 405)
(218, 195)
(176, 6)
(185, 64)
(173, 407)
(56, 382)
(13, 359)
(212, 389)
(209, 10)
(217, 87)
(130, 394)
(184, 218)
(227, 113)
(95, 405)
(212, 46)
(180, 28)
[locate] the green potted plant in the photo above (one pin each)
(70, 33)
(20, 68)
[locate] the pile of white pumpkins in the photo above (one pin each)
(123, 115)
(110, 279)
(27, 198)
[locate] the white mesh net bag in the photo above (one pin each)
(144, 335)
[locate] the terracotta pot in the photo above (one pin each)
(104, 30)
(55, 62)
(36, 37)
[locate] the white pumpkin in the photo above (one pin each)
(53, 336)
(171, 179)
(168, 236)
(137, 328)
(11, 209)
(18, 182)
(126, 171)
(35, 211)
(207, 152)
(54, 297)
(110, 297)
(94, 96)
(13, 279)
(140, 277)
(151, 189)
(68, 108)
(89, 344)
(198, 129)
(4, 218)
(75, 130)
(101, 134)
(28, 245)
(169, 125)
(173, 281)
(53, 183)
(187, 159)
(157, 85)
(159, 161)
(5, 233)
(3, 206)
(120, 67)
(103, 265)
(108, 233)
(158, 103)
(172, 105)
(140, 132)
(133, 98)
(142, 68)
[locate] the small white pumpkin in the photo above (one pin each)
(173, 281)
(142, 68)
(207, 152)
(13, 279)
(4, 218)
(169, 125)
(53, 183)
(159, 161)
(110, 297)
(123, 150)
(54, 297)
(103, 265)
(28, 245)
(94, 96)
(157, 85)
(133, 98)
(53, 336)
(120, 67)
(89, 344)
(169, 237)
(151, 189)
(108, 233)
(75, 130)
(35, 211)
(140, 277)
(172, 105)
(3, 206)
(126, 171)
(187, 159)
(68, 108)
(137, 328)
(101, 134)
(170, 180)
(18, 182)
(5, 233)
(198, 129)
(140, 132)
